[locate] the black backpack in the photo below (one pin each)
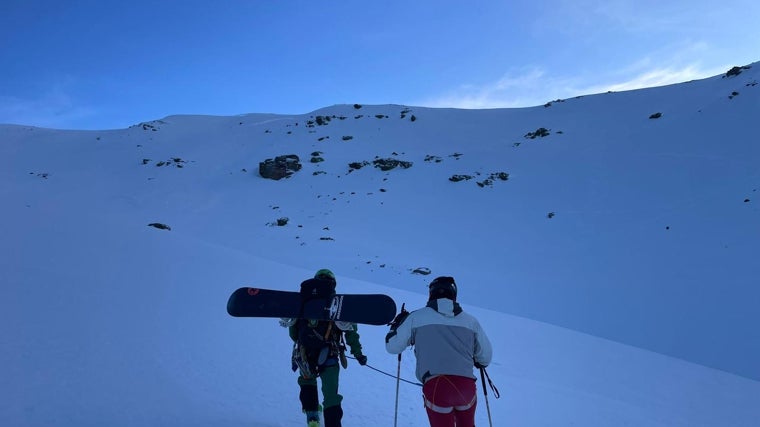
(313, 335)
(317, 288)
(317, 340)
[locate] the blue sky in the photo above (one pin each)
(111, 64)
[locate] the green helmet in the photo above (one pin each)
(325, 274)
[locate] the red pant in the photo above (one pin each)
(450, 401)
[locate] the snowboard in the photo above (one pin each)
(370, 309)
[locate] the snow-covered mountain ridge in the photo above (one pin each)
(630, 216)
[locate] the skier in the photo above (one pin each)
(447, 343)
(318, 347)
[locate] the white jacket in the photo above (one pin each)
(446, 340)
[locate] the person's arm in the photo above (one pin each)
(352, 340)
(483, 349)
(400, 335)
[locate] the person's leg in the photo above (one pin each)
(450, 399)
(333, 416)
(465, 411)
(333, 412)
(466, 418)
(439, 419)
(309, 398)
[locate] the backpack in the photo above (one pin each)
(315, 335)
(316, 341)
(317, 288)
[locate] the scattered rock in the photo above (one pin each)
(735, 71)
(174, 161)
(540, 132)
(458, 178)
(388, 164)
(357, 165)
(280, 167)
(159, 226)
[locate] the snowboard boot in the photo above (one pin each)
(312, 417)
(310, 404)
(333, 415)
(312, 423)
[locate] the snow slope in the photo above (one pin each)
(614, 311)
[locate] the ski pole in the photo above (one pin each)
(398, 381)
(485, 394)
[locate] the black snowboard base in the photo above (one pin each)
(370, 309)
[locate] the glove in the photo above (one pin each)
(362, 359)
(399, 319)
(286, 322)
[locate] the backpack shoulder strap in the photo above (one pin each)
(329, 330)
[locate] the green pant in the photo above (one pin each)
(329, 377)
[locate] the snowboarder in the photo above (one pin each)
(447, 344)
(318, 352)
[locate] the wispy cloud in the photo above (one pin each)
(514, 89)
(535, 86)
(657, 77)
